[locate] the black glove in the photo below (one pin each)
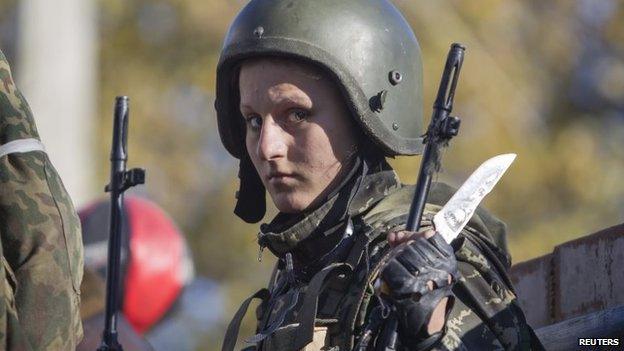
(409, 268)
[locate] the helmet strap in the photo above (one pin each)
(251, 202)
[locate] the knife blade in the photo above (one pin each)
(452, 218)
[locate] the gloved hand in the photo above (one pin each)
(419, 274)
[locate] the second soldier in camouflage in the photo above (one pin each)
(41, 246)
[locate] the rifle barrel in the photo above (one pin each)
(118, 160)
(439, 132)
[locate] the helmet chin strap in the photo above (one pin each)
(353, 150)
(251, 202)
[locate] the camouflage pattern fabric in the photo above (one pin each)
(40, 239)
(485, 316)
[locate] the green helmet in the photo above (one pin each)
(366, 46)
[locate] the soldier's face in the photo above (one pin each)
(298, 130)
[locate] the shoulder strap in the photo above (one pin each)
(229, 342)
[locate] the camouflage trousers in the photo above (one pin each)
(40, 241)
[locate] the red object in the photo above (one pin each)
(157, 264)
(155, 274)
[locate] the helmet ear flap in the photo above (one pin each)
(251, 202)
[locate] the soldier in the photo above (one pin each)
(40, 242)
(298, 103)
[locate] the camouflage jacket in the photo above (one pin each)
(40, 241)
(322, 298)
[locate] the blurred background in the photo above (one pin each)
(543, 79)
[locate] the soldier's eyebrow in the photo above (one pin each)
(296, 98)
(280, 99)
(305, 103)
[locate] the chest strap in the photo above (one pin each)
(231, 335)
(307, 315)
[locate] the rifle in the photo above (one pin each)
(442, 128)
(120, 181)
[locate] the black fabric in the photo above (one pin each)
(251, 202)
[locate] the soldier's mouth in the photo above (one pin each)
(280, 175)
(280, 179)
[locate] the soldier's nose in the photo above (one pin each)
(271, 144)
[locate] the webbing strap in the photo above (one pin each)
(358, 249)
(229, 342)
(307, 315)
(21, 146)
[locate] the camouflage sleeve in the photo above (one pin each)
(40, 238)
(11, 334)
(486, 315)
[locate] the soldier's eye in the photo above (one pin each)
(253, 122)
(297, 115)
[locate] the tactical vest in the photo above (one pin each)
(330, 311)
